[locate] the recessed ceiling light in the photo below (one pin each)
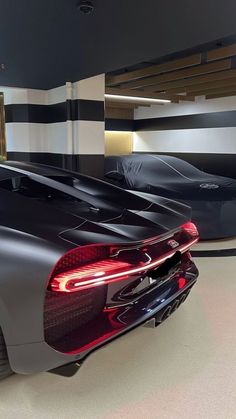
(120, 98)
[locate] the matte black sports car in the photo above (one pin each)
(82, 262)
(212, 198)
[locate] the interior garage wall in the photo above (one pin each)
(202, 133)
(118, 142)
(62, 126)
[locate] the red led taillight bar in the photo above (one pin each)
(95, 265)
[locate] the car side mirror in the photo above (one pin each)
(114, 175)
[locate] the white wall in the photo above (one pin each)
(13, 95)
(202, 140)
(207, 140)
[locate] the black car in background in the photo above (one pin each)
(81, 263)
(212, 198)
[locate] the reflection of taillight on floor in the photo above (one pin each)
(94, 265)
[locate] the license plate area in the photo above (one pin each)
(138, 285)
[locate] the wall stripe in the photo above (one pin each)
(213, 253)
(204, 120)
(40, 114)
(74, 110)
(86, 110)
(181, 122)
(119, 124)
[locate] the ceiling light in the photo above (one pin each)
(86, 7)
(135, 99)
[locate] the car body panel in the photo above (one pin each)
(37, 228)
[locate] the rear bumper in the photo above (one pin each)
(40, 356)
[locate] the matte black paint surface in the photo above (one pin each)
(88, 164)
(37, 229)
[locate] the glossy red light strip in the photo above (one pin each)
(80, 278)
(191, 229)
(97, 271)
(182, 283)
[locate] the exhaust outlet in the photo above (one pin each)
(171, 308)
(166, 314)
(175, 306)
(184, 296)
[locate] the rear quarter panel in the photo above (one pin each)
(25, 265)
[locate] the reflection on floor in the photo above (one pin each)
(186, 368)
(216, 244)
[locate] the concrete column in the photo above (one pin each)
(89, 125)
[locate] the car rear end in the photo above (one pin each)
(97, 292)
(91, 268)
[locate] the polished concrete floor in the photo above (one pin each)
(186, 368)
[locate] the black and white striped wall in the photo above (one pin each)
(202, 133)
(62, 127)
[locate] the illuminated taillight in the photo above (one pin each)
(91, 275)
(191, 229)
(181, 283)
(93, 265)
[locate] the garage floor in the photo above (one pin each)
(186, 368)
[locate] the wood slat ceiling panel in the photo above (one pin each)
(180, 74)
(216, 91)
(211, 74)
(219, 95)
(179, 86)
(155, 69)
(228, 83)
(217, 54)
